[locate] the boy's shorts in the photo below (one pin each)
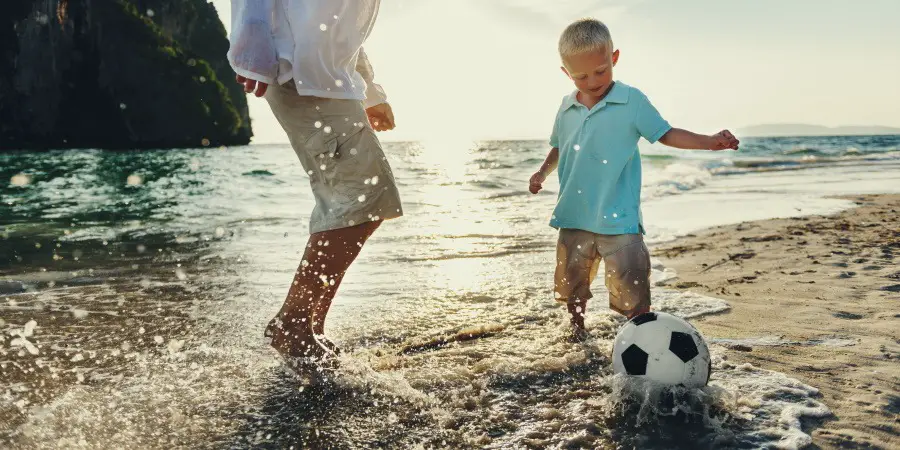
(351, 179)
(578, 255)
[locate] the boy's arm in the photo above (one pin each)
(684, 139)
(550, 163)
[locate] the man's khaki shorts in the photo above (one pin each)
(578, 256)
(351, 179)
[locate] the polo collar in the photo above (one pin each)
(618, 94)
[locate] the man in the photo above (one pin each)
(306, 59)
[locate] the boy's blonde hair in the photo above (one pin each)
(583, 36)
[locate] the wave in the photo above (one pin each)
(806, 162)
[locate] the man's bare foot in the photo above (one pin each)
(293, 343)
(328, 343)
(277, 326)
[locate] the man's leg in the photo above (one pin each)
(327, 257)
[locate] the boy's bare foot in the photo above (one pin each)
(577, 310)
(637, 313)
(578, 335)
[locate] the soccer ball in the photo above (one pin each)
(663, 348)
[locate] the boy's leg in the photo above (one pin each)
(627, 273)
(315, 283)
(576, 262)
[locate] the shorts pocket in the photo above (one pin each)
(320, 143)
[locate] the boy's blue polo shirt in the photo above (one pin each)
(599, 163)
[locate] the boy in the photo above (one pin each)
(594, 142)
(306, 58)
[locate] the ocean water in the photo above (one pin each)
(134, 287)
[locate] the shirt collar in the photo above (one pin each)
(618, 94)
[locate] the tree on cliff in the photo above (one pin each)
(117, 74)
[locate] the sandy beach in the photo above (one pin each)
(815, 298)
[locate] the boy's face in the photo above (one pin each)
(592, 71)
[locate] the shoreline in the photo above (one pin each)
(813, 297)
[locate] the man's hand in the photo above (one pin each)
(724, 140)
(536, 183)
(257, 88)
(381, 117)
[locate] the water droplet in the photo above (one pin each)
(604, 161)
(327, 130)
(577, 147)
(20, 179)
(205, 142)
(362, 198)
(615, 215)
(323, 27)
(339, 83)
(322, 167)
(353, 151)
(375, 180)
(318, 124)
(151, 13)
(122, 106)
(352, 222)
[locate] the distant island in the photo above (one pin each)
(801, 129)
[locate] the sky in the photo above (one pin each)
(489, 69)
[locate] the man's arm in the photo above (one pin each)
(374, 93)
(678, 138)
(252, 52)
(381, 116)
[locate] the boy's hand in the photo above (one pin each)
(257, 88)
(381, 117)
(536, 183)
(724, 140)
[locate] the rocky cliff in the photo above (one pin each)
(117, 74)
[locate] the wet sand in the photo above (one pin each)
(816, 298)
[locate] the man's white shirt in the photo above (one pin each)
(317, 43)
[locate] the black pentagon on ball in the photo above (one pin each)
(683, 346)
(635, 360)
(644, 318)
